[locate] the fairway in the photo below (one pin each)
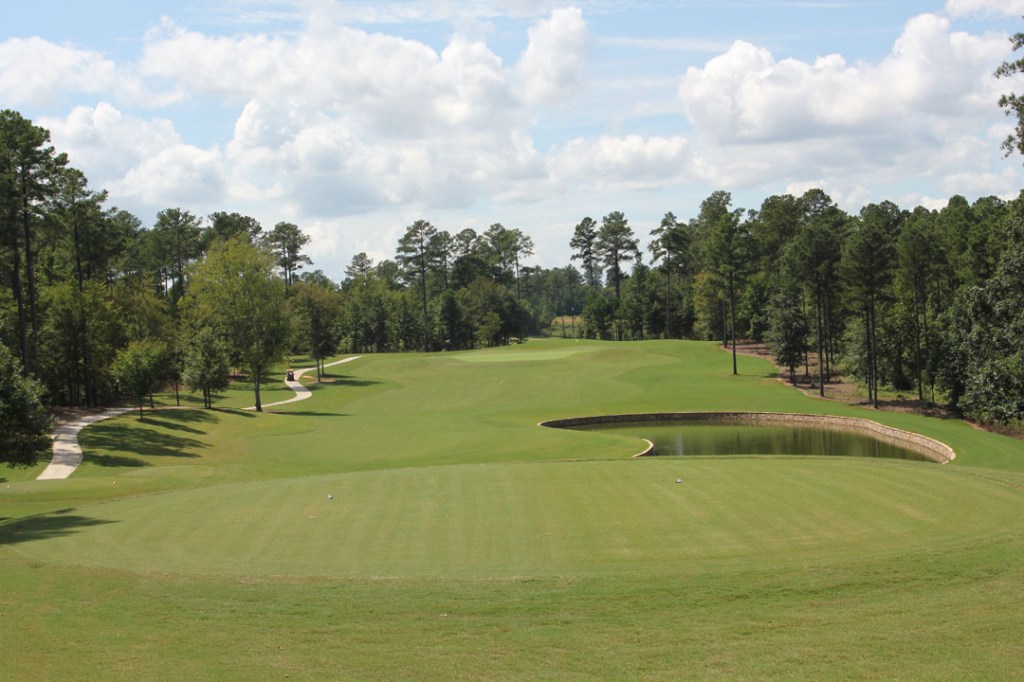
(412, 520)
(582, 518)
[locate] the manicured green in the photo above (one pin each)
(463, 540)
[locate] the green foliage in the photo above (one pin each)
(225, 225)
(205, 364)
(788, 329)
(24, 421)
(80, 336)
(316, 313)
(615, 245)
(175, 243)
(1013, 103)
(598, 315)
(285, 241)
(139, 369)
(984, 359)
(583, 244)
(235, 291)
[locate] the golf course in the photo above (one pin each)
(412, 520)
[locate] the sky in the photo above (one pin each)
(353, 119)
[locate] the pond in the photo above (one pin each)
(696, 437)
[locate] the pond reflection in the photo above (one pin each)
(694, 437)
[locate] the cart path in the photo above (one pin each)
(301, 392)
(67, 453)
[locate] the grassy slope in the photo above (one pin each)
(509, 564)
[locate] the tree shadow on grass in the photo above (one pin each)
(167, 421)
(344, 380)
(233, 411)
(135, 440)
(308, 413)
(187, 415)
(52, 525)
(115, 461)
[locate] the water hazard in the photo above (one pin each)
(699, 438)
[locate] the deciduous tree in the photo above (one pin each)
(205, 364)
(139, 369)
(234, 290)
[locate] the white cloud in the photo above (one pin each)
(138, 161)
(341, 121)
(36, 72)
(552, 66)
(616, 164)
(931, 75)
(959, 8)
(921, 111)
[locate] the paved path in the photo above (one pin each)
(67, 453)
(301, 392)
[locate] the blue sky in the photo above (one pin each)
(353, 119)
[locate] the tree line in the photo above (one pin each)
(96, 307)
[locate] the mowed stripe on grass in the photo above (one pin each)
(545, 519)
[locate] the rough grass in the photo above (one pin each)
(465, 541)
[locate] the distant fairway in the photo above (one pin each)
(464, 540)
(524, 356)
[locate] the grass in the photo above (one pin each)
(463, 540)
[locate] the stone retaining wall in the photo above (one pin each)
(934, 450)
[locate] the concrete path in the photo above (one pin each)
(301, 392)
(67, 453)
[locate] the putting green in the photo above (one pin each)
(519, 356)
(550, 519)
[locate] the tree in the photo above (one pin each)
(360, 266)
(78, 214)
(615, 245)
(983, 363)
(79, 337)
(598, 314)
(235, 291)
(470, 258)
(205, 364)
(27, 167)
(228, 225)
(787, 332)
(774, 226)
(286, 241)
(317, 312)
(917, 253)
(582, 243)
(176, 238)
(728, 248)
(812, 256)
(415, 260)
(671, 246)
(869, 257)
(508, 247)
(25, 422)
(1013, 104)
(138, 369)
